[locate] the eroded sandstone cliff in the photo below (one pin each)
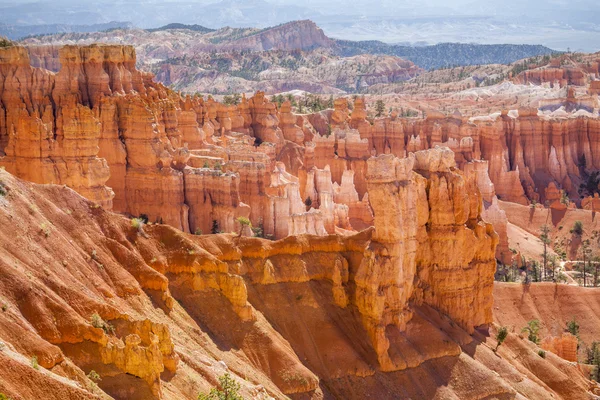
(106, 130)
(102, 127)
(159, 313)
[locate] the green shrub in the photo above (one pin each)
(593, 358)
(379, 108)
(137, 224)
(561, 278)
(4, 42)
(234, 99)
(578, 228)
(215, 227)
(542, 353)
(45, 229)
(97, 322)
(4, 397)
(258, 231)
(564, 198)
(198, 232)
(573, 327)
(532, 329)
(3, 190)
(243, 221)
(94, 376)
(501, 336)
(34, 362)
(228, 390)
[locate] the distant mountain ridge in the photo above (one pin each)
(446, 54)
(306, 35)
(556, 24)
(195, 28)
(293, 56)
(17, 32)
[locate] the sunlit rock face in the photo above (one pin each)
(426, 213)
(46, 134)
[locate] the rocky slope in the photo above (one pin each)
(553, 305)
(318, 71)
(155, 290)
(444, 55)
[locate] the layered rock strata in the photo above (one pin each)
(42, 142)
(160, 314)
(427, 214)
(101, 127)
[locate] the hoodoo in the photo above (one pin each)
(157, 245)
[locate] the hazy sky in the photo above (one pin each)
(555, 23)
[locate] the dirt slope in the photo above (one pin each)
(554, 305)
(560, 223)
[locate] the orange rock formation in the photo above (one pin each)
(562, 76)
(138, 305)
(324, 312)
(102, 127)
(564, 346)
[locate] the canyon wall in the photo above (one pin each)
(108, 131)
(525, 151)
(43, 144)
(326, 311)
(105, 129)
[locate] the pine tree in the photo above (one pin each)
(532, 330)
(215, 227)
(545, 237)
(379, 108)
(501, 337)
(229, 390)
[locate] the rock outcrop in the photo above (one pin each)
(42, 142)
(562, 76)
(296, 35)
(421, 221)
(107, 130)
(524, 151)
(564, 346)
